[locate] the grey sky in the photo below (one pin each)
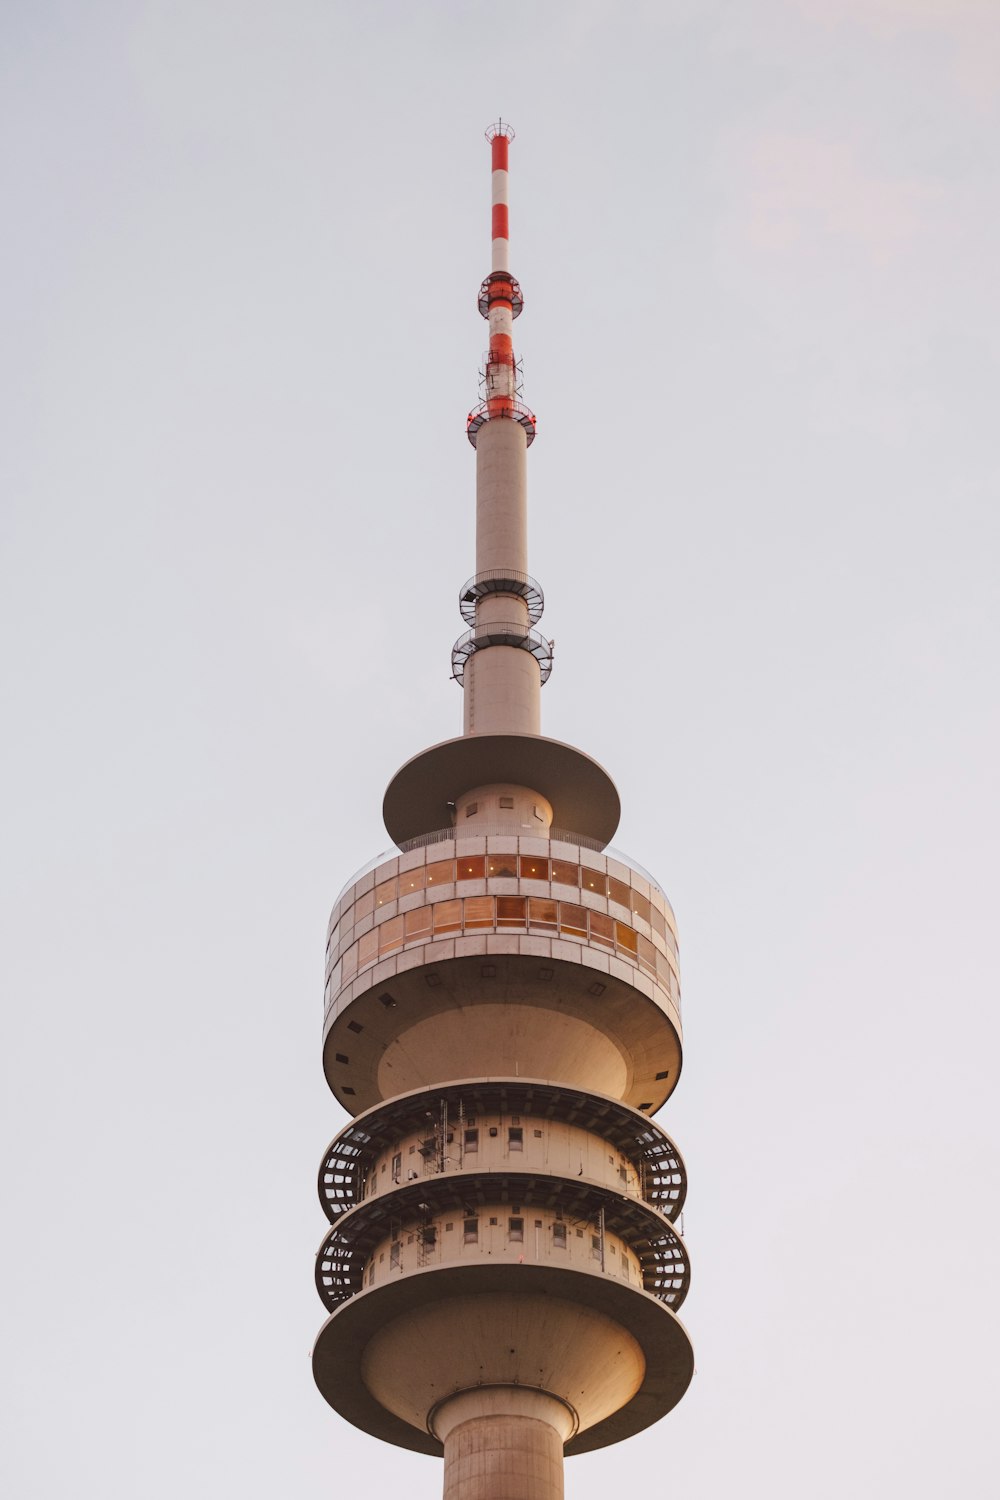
(758, 244)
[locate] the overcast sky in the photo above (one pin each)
(758, 245)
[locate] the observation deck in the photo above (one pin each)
(569, 960)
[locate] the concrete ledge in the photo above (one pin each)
(339, 1351)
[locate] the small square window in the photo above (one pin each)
(506, 802)
(515, 1230)
(472, 808)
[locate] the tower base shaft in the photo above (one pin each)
(503, 1458)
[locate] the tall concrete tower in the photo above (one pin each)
(502, 1269)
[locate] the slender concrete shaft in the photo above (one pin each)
(501, 497)
(503, 1445)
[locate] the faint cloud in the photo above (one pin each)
(799, 193)
(967, 32)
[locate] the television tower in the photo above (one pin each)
(502, 1268)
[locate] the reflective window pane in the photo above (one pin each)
(441, 872)
(573, 919)
(542, 912)
(565, 872)
(417, 922)
(511, 911)
(479, 911)
(593, 880)
(618, 891)
(533, 867)
(647, 953)
(390, 935)
(641, 906)
(386, 892)
(601, 929)
(626, 937)
(472, 867)
(447, 916)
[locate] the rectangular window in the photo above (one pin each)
(542, 913)
(658, 922)
(441, 872)
(472, 1140)
(641, 906)
(386, 892)
(534, 867)
(412, 880)
(511, 911)
(626, 938)
(395, 1254)
(471, 809)
(397, 1166)
(565, 873)
(502, 865)
(647, 953)
(390, 935)
(429, 1236)
(364, 906)
(417, 923)
(470, 1231)
(515, 1138)
(472, 867)
(601, 929)
(447, 916)
(559, 1236)
(594, 880)
(515, 1231)
(625, 1271)
(479, 911)
(595, 1246)
(368, 948)
(507, 802)
(573, 919)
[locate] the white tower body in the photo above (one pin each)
(503, 1270)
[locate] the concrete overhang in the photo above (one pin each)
(338, 1355)
(584, 798)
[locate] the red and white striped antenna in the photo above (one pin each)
(500, 301)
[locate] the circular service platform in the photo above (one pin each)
(583, 797)
(340, 1355)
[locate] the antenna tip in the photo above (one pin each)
(501, 128)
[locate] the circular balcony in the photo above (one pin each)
(571, 1222)
(501, 581)
(513, 1121)
(500, 286)
(511, 411)
(502, 633)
